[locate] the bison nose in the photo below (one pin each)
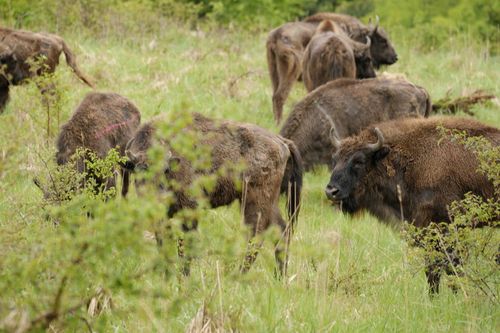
(331, 191)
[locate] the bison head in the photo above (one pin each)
(364, 63)
(10, 71)
(137, 157)
(382, 51)
(352, 162)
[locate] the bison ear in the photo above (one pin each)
(381, 153)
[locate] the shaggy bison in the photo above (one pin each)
(382, 51)
(408, 169)
(348, 106)
(18, 48)
(286, 44)
(101, 122)
(331, 54)
(270, 163)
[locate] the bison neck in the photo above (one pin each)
(381, 197)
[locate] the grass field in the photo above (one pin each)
(346, 274)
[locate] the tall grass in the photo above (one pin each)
(346, 274)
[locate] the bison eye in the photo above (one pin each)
(358, 161)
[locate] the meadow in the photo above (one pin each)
(346, 274)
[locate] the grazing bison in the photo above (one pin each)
(331, 54)
(414, 158)
(101, 122)
(381, 49)
(270, 163)
(348, 106)
(18, 48)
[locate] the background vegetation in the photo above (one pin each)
(168, 57)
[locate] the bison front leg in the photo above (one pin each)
(125, 181)
(4, 97)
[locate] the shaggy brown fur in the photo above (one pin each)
(331, 54)
(430, 169)
(285, 48)
(101, 122)
(26, 46)
(266, 157)
(381, 49)
(349, 106)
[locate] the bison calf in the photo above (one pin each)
(348, 106)
(270, 163)
(331, 54)
(407, 169)
(101, 122)
(18, 48)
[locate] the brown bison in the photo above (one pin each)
(414, 158)
(270, 163)
(331, 54)
(348, 106)
(285, 49)
(101, 122)
(18, 48)
(381, 49)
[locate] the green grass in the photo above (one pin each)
(346, 274)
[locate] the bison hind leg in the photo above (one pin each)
(282, 246)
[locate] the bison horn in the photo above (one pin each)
(380, 141)
(334, 138)
(377, 21)
(368, 42)
(168, 155)
(131, 156)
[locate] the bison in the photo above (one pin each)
(18, 48)
(407, 169)
(272, 164)
(331, 54)
(348, 106)
(285, 49)
(101, 122)
(286, 44)
(381, 49)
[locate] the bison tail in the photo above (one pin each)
(428, 105)
(292, 183)
(71, 60)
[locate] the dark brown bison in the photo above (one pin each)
(270, 163)
(331, 54)
(414, 158)
(348, 106)
(18, 48)
(382, 51)
(101, 122)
